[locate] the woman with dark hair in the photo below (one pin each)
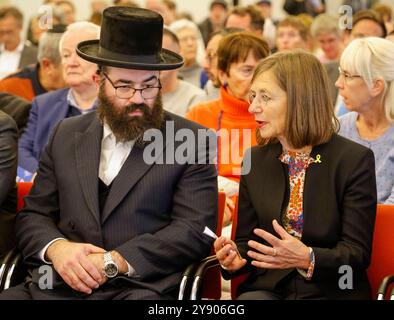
(307, 207)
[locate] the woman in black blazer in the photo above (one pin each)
(8, 164)
(307, 202)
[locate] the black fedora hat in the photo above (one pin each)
(130, 38)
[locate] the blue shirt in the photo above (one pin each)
(383, 149)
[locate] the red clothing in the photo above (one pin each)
(24, 84)
(227, 113)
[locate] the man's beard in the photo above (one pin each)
(126, 128)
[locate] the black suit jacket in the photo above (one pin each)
(339, 212)
(154, 216)
(8, 165)
(16, 107)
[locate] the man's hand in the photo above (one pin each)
(227, 254)
(98, 260)
(71, 261)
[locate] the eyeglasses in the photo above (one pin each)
(127, 92)
(258, 97)
(347, 76)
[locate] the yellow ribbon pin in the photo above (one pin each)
(318, 158)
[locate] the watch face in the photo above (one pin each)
(111, 270)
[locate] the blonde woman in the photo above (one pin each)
(366, 85)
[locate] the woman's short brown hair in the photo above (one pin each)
(236, 47)
(310, 118)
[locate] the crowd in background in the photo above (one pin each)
(43, 78)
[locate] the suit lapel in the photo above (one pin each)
(271, 194)
(87, 150)
(57, 112)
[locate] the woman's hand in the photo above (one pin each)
(228, 255)
(286, 252)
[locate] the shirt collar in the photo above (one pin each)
(109, 135)
(71, 101)
(18, 49)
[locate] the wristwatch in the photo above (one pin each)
(110, 267)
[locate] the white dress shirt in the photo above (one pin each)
(113, 156)
(9, 60)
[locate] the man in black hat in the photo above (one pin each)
(107, 217)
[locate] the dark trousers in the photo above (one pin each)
(295, 288)
(106, 292)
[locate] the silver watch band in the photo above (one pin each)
(107, 257)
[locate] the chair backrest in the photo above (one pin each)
(382, 259)
(235, 282)
(23, 190)
(212, 286)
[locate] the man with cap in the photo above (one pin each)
(107, 217)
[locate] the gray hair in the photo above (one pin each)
(48, 47)
(325, 23)
(181, 24)
(372, 58)
(81, 27)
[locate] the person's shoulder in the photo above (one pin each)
(348, 117)
(188, 87)
(6, 121)
(346, 123)
(51, 96)
(23, 74)
(346, 149)
(181, 122)
(204, 110)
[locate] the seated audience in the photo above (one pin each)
(192, 50)
(386, 13)
(366, 85)
(178, 95)
(8, 164)
(44, 76)
(365, 23)
(291, 34)
(17, 108)
(310, 7)
(210, 63)
(307, 206)
(14, 53)
(328, 36)
(48, 109)
(246, 18)
(238, 55)
(269, 34)
(215, 21)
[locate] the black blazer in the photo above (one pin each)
(8, 165)
(154, 215)
(339, 213)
